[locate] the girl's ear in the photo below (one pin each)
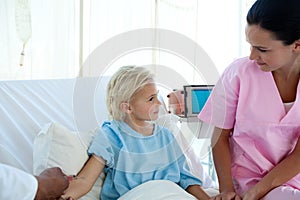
(125, 107)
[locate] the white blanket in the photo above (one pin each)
(157, 190)
(161, 190)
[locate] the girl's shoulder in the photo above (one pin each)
(111, 129)
(113, 125)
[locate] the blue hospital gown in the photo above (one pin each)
(133, 159)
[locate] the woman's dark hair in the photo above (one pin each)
(282, 17)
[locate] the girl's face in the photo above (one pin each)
(144, 105)
(270, 54)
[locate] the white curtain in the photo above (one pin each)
(65, 33)
(8, 41)
(213, 25)
(51, 51)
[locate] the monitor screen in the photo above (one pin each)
(195, 97)
(199, 98)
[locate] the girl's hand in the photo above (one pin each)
(226, 196)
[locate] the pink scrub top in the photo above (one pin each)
(247, 100)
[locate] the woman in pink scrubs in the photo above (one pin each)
(255, 108)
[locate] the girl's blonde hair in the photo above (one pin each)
(123, 85)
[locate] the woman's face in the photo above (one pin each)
(270, 54)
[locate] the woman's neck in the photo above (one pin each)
(287, 83)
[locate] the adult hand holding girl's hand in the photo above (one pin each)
(226, 196)
(251, 194)
(52, 182)
(65, 198)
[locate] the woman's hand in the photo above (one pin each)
(65, 198)
(226, 196)
(250, 196)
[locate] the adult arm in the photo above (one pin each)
(280, 174)
(50, 184)
(222, 160)
(12, 180)
(86, 178)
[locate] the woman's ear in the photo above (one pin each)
(125, 107)
(297, 45)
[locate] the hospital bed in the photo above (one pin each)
(47, 122)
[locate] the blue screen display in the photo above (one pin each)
(199, 97)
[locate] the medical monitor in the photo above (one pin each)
(195, 97)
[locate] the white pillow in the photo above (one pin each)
(57, 146)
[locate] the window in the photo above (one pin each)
(65, 33)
